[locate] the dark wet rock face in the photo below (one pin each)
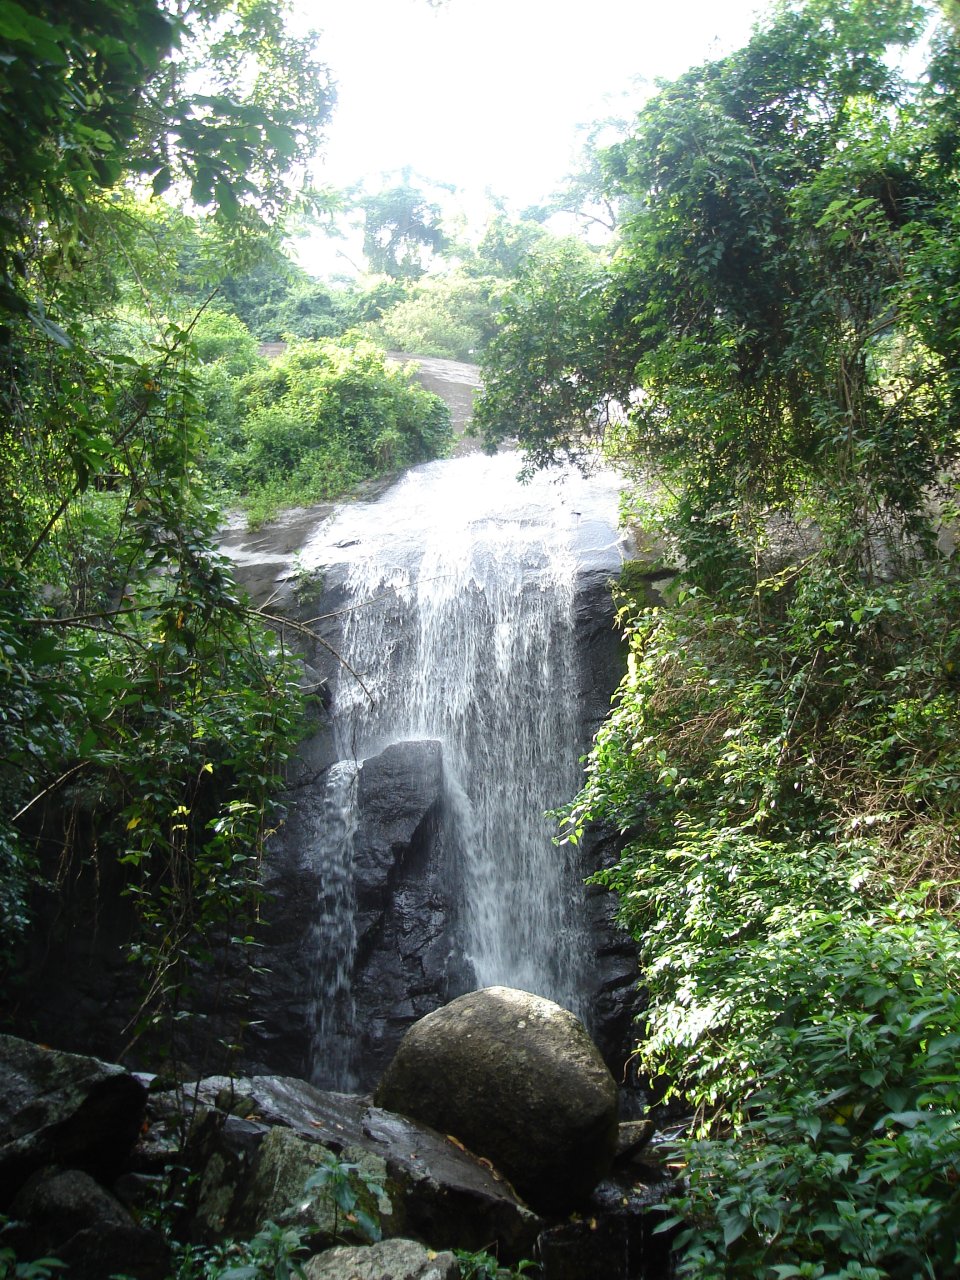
(517, 1080)
(405, 960)
(68, 1125)
(402, 906)
(62, 1108)
(615, 1237)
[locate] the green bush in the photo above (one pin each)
(310, 310)
(319, 419)
(219, 336)
(449, 316)
(782, 762)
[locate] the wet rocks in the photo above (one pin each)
(67, 1215)
(518, 1081)
(399, 905)
(633, 1137)
(388, 1260)
(63, 1109)
(618, 1236)
(68, 1125)
(437, 1191)
(252, 1146)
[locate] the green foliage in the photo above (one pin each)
(503, 248)
(450, 316)
(312, 310)
(766, 321)
(776, 327)
(220, 336)
(542, 370)
(320, 418)
(140, 697)
(274, 1253)
(780, 761)
(401, 230)
(586, 193)
(484, 1266)
(455, 313)
(276, 299)
(350, 1189)
(830, 1033)
(278, 1250)
(145, 710)
(373, 296)
(95, 96)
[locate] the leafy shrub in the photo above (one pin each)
(449, 316)
(278, 1250)
(784, 765)
(322, 417)
(352, 1191)
(484, 1266)
(141, 700)
(219, 336)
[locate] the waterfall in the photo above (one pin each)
(333, 934)
(460, 624)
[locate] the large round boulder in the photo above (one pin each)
(517, 1080)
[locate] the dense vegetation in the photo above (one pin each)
(772, 344)
(768, 345)
(146, 710)
(312, 423)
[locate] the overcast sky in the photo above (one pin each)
(488, 94)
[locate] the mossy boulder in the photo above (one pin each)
(518, 1081)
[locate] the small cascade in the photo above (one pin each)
(461, 624)
(333, 934)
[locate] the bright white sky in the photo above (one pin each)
(488, 94)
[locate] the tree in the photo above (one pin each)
(400, 228)
(140, 701)
(760, 311)
(93, 95)
(450, 315)
(550, 376)
(504, 247)
(763, 279)
(586, 194)
(778, 320)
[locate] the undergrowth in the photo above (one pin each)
(783, 762)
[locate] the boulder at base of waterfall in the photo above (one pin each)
(518, 1080)
(388, 1260)
(63, 1109)
(252, 1160)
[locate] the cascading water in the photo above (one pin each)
(460, 622)
(333, 934)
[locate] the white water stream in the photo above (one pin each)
(463, 632)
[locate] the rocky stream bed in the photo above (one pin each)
(114, 1173)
